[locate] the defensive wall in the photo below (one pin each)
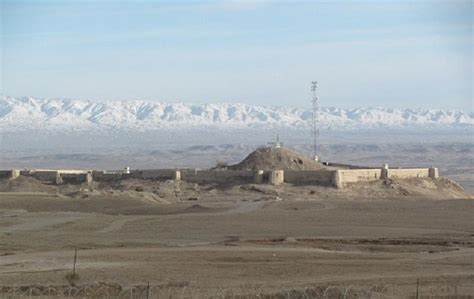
(408, 173)
(336, 178)
(9, 174)
(218, 176)
(345, 176)
(310, 177)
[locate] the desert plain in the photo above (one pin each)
(193, 240)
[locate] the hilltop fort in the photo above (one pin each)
(272, 166)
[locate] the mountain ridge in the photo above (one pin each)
(20, 114)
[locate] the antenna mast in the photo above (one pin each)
(315, 121)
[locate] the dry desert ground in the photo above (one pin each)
(203, 241)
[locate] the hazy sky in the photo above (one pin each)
(378, 53)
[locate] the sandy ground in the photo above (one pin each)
(238, 240)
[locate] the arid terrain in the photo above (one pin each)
(236, 149)
(205, 240)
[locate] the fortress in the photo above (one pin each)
(274, 166)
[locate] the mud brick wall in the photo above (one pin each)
(45, 176)
(408, 173)
(218, 177)
(100, 176)
(5, 174)
(69, 178)
(153, 174)
(359, 175)
(310, 177)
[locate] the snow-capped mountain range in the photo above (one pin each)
(22, 114)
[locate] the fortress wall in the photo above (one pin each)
(310, 177)
(358, 175)
(5, 174)
(219, 177)
(337, 178)
(154, 174)
(74, 178)
(348, 166)
(261, 176)
(345, 176)
(100, 176)
(277, 177)
(51, 176)
(408, 173)
(72, 171)
(9, 174)
(190, 175)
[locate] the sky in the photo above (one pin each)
(410, 54)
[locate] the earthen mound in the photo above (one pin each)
(271, 158)
(419, 187)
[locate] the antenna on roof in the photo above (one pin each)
(277, 143)
(315, 121)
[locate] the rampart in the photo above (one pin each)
(9, 174)
(310, 177)
(218, 177)
(5, 174)
(153, 174)
(335, 178)
(58, 176)
(103, 176)
(343, 177)
(409, 173)
(346, 176)
(49, 176)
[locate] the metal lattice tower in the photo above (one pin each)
(315, 121)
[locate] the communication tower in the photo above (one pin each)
(315, 121)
